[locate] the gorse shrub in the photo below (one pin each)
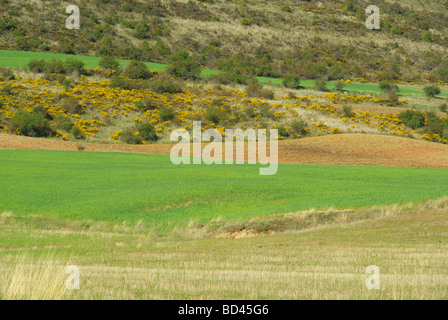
(137, 70)
(33, 124)
(7, 74)
(37, 66)
(339, 85)
(388, 87)
(77, 132)
(130, 136)
(55, 66)
(109, 63)
(291, 81)
(347, 111)
(298, 127)
(73, 65)
(166, 114)
(184, 66)
(320, 85)
(435, 125)
(147, 132)
(431, 91)
(412, 119)
(255, 89)
(73, 105)
(63, 123)
(138, 134)
(165, 85)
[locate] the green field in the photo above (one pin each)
(82, 208)
(118, 187)
(20, 59)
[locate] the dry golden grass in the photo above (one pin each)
(321, 261)
(25, 278)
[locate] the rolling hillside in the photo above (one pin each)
(267, 38)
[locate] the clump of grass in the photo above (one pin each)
(25, 278)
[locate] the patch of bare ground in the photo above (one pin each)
(343, 149)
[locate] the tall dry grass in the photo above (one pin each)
(26, 278)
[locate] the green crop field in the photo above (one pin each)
(132, 187)
(20, 59)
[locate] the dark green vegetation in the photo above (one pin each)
(119, 187)
(272, 38)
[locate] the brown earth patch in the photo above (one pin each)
(342, 149)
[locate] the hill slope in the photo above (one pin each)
(269, 38)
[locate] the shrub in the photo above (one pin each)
(141, 30)
(442, 74)
(215, 114)
(72, 65)
(130, 136)
(77, 132)
(412, 119)
(6, 89)
(347, 111)
(434, 124)
(291, 81)
(339, 85)
(286, 8)
(183, 66)
(282, 131)
(73, 106)
(163, 85)
(162, 48)
(267, 94)
(443, 107)
(298, 127)
(63, 122)
(253, 89)
(137, 70)
(388, 87)
(66, 45)
(125, 7)
(37, 66)
(431, 91)
(147, 104)
(320, 85)
(33, 124)
(166, 114)
(109, 63)
(7, 25)
(147, 132)
(55, 66)
(238, 76)
(394, 99)
(6, 73)
(67, 84)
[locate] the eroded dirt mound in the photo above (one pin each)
(342, 149)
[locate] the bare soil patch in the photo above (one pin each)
(342, 149)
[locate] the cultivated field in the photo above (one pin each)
(322, 262)
(86, 122)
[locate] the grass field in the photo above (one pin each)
(20, 59)
(325, 262)
(118, 187)
(126, 221)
